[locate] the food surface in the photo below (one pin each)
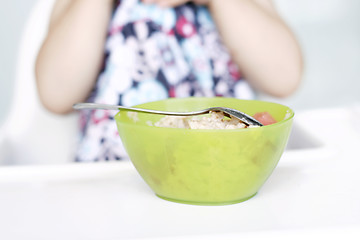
(215, 120)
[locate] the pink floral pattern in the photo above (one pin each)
(154, 53)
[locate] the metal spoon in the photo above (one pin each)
(248, 120)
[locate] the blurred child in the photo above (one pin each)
(155, 49)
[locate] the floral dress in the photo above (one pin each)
(154, 53)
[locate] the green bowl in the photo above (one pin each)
(205, 167)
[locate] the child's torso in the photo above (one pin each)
(154, 53)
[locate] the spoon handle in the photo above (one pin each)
(79, 106)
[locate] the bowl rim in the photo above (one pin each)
(285, 120)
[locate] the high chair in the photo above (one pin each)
(31, 134)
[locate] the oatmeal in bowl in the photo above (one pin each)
(215, 120)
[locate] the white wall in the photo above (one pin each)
(328, 30)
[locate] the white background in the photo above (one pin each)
(328, 30)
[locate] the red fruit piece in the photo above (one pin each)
(265, 118)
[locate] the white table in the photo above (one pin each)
(311, 193)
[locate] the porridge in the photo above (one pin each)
(215, 120)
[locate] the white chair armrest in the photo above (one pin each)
(3, 148)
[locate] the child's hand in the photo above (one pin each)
(174, 3)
